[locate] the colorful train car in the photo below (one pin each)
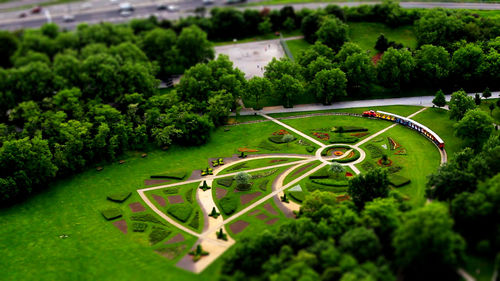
(412, 124)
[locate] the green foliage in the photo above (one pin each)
(331, 182)
(347, 159)
(238, 167)
(228, 204)
(227, 182)
(398, 180)
(361, 242)
(439, 100)
(198, 253)
(214, 213)
(146, 218)
(111, 213)
(172, 190)
(189, 195)
(333, 33)
(343, 139)
(297, 195)
(242, 181)
(139, 226)
(374, 150)
(263, 185)
(195, 221)
(177, 175)
(119, 197)
(204, 186)
(368, 186)
(158, 234)
(459, 104)
(310, 149)
(221, 235)
(182, 212)
(475, 127)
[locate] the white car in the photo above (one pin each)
(68, 18)
(208, 2)
(126, 7)
(172, 8)
(126, 13)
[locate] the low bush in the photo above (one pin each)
(320, 174)
(228, 204)
(244, 186)
(227, 182)
(195, 221)
(350, 129)
(146, 218)
(189, 195)
(310, 148)
(340, 139)
(180, 211)
(354, 157)
(266, 145)
(172, 190)
(331, 182)
(238, 167)
(297, 195)
(398, 180)
(176, 175)
(111, 213)
(263, 185)
(336, 189)
(158, 234)
(139, 226)
(375, 151)
(264, 174)
(119, 197)
(279, 139)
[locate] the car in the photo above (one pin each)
(229, 2)
(36, 10)
(208, 2)
(172, 8)
(126, 7)
(126, 13)
(68, 18)
(23, 15)
(161, 6)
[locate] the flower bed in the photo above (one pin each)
(393, 144)
(387, 164)
(281, 132)
(359, 135)
(329, 150)
(322, 136)
(244, 149)
(353, 156)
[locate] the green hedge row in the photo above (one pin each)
(337, 139)
(228, 204)
(181, 212)
(320, 174)
(227, 182)
(158, 234)
(119, 197)
(111, 213)
(195, 221)
(349, 159)
(146, 218)
(172, 190)
(336, 189)
(139, 226)
(375, 151)
(331, 182)
(398, 180)
(176, 175)
(189, 195)
(350, 129)
(297, 195)
(278, 139)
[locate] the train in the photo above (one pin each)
(412, 124)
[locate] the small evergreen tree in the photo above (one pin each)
(439, 100)
(491, 107)
(382, 43)
(486, 93)
(477, 99)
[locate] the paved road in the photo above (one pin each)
(109, 12)
(421, 101)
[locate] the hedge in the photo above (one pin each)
(263, 185)
(320, 174)
(297, 195)
(158, 234)
(337, 189)
(227, 182)
(119, 197)
(310, 148)
(146, 218)
(180, 211)
(350, 129)
(238, 167)
(139, 226)
(172, 190)
(397, 180)
(176, 175)
(375, 152)
(337, 139)
(189, 195)
(228, 204)
(349, 159)
(195, 221)
(264, 144)
(111, 213)
(331, 182)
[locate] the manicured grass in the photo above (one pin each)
(365, 34)
(403, 110)
(480, 268)
(309, 166)
(296, 46)
(495, 114)
(438, 121)
(244, 118)
(257, 163)
(422, 159)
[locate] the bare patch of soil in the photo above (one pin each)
(220, 192)
(171, 253)
(175, 199)
(270, 209)
(121, 225)
(136, 207)
(302, 169)
(160, 200)
(176, 239)
(262, 217)
(154, 181)
(254, 212)
(272, 221)
(247, 198)
(238, 226)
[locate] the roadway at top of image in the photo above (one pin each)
(68, 16)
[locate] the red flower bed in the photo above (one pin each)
(347, 174)
(359, 135)
(393, 143)
(280, 132)
(322, 136)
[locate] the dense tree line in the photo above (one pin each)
(72, 99)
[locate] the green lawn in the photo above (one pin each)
(438, 121)
(296, 46)
(300, 171)
(479, 267)
(403, 110)
(257, 163)
(365, 34)
(495, 114)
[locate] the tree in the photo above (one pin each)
(491, 106)
(242, 181)
(361, 242)
(288, 138)
(487, 93)
(288, 87)
(383, 216)
(276, 69)
(395, 68)
(426, 243)
(360, 72)
(368, 186)
(219, 107)
(226, 23)
(8, 46)
(265, 26)
(439, 100)
(330, 84)
(477, 99)
(382, 43)
(475, 128)
(194, 46)
(468, 63)
(337, 170)
(289, 24)
(309, 25)
(432, 64)
(459, 104)
(333, 33)
(258, 88)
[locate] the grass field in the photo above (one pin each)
(495, 114)
(257, 163)
(403, 110)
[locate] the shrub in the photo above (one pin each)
(279, 139)
(146, 218)
(331, 182)
(176, 175)
(139, 226)
(180, 211)
(172, 190)
(310, 148)
(297, 195)
(228, 204)
(238, 167)
(311, 187)
(189, 195)
(375, 152)
(320, 174)
(158, 234)
(263, 185)
(350, 129)
(119, 197)
(111, 213)
(195, 221)
(227, 182)
(264, 144)
(354, 157)
(397, 180)
(264, 174)
(340, 139)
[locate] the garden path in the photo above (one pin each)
(293, 130)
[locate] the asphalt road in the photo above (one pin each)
(144, 9)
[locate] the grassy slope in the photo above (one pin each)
(403, 110)
(495, 113)
(365, 34)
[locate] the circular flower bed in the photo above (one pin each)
(338, 153)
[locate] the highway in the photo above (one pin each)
(144, 9)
